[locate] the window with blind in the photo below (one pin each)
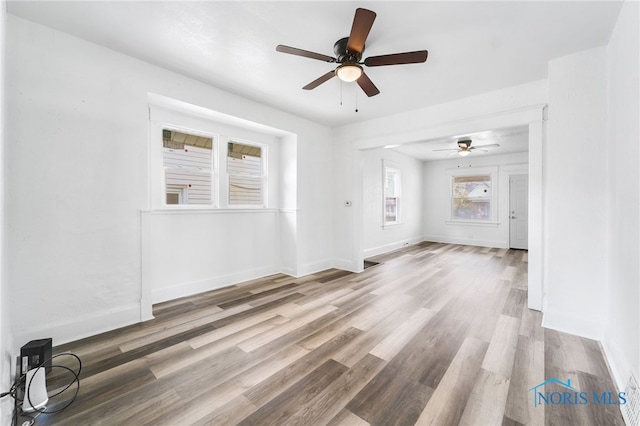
(246, 172)
(188, 167)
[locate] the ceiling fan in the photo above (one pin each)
(465, 148)
(349, 50)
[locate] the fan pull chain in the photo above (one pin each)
(340, 92)
(356, 100)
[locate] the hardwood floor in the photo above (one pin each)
(434, 334)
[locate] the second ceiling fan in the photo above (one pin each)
(349, 50)
(465, 148)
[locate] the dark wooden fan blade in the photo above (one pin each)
(304, 53)
(367, 85)
(397, 58)
(318, 81)
(362, 23)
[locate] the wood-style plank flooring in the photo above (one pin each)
(435, 334)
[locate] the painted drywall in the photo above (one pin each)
(188, 257)
(437, 202)
(575, 196)
(78, 170)
(6, 336)
(314, 194)
(503, 108)
(621, 339)
(377, 238)
(288, 184)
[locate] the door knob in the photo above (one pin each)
(513, 217)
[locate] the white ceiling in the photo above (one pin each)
(474, 47)
(511, 140)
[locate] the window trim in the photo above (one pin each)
(491, 171)
(178, 190)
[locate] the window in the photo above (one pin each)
(246, 172)
(195, 164)
(472, 197)
(188, 167)
(391, 196)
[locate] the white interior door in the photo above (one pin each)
(518, 212)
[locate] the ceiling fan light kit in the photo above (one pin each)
(349, 72)
(349, 50)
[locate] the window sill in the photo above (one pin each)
(472, 223)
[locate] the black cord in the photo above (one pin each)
(76, 379)
(13, 391)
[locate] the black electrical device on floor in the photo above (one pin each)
(35, 353)
(29, 390)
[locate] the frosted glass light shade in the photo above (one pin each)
(349, 72)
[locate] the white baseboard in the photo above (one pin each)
(95, 323)
(347, 265)
(208, 284)
(313, 267)
(374, 251)
(201, 286)
(81, 326)
(289, 271)
(560, 321)
(620, 367)
(467, 242)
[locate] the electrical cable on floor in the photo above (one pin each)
(31, 421)
(17, 385)
(14, 388)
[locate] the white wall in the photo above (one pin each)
(6, 336)
(593, 240)
(194, 252)
(622, 337)
(78, 170)
(576, 194)
(314, 217)
(377, 238)
(437, 201)
(288, 226)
